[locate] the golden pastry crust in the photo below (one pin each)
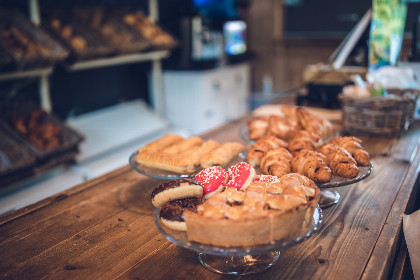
(162, 143)
(313, 123)
(313, 165)
(255, 216)
(340, 161)
(257, 127)
(172, 163)
(182, 146)
(262, 145)
(221, 155)
(305, 140)
(277, 162)
(281, 127)
(354, 146)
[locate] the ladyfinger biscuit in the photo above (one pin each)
(173, 163)
(183, 145)
(162, 143)
(222, 155)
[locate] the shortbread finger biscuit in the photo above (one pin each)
(162, 143)
(222, 155)
(173, 163)
(183, 145)
(176, 189)
(194, 154)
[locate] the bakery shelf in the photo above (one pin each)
(25, 74)
(118, 60)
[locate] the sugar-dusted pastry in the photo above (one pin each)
(277, 162)
(262, 145)
(313, 165)
(240, 175)
(176, 189)
(257, 127)
(305, 140)
(213, 180)
(313, 123)
(162, 143)
(266, 178)
(172, 212)
(354, 146)
(281, 127)
(222, 155)
(340, 161)
(182, 146)
(173, 163)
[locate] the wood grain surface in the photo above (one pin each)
(104, 228)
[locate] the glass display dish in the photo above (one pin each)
(168, 175)
(239, 260)
(330, 196)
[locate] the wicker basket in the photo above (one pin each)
(385, 116)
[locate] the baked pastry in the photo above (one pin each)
(212, 179)
(313, 123)
(266, 178)
(277, 162)
(172, 212)
(262, 145)
(354, 146)
(305, 140)
(162, 143)
(313, 165)
(176, 189)
(281, 127)
(257, 127)
(172, 163)
(290, 112)
(221, 155)
(240, 175)
(254, 216)
(183, 145)
(340, 161)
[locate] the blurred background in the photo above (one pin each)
(83, 84)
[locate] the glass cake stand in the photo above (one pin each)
(239, 260)
(330, 196)
(167, 175)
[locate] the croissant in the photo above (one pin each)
(305, 140)
(313, 165)
(281, 127)
(276, 162)
(264, 144)
(313, 123)
(340, 161)
(257, 127)
(290, 112)
(354, 146)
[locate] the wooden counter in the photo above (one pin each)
(104, 228)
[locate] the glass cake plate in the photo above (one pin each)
(163, 174)
(239, 260)
(330, 196)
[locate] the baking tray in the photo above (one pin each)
(70, 138)
(14, 154)
(28, 46)
(83, 41)
(138, 22)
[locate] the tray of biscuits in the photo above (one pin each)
(174, 156)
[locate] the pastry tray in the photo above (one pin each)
(27, 46)
(70, 138)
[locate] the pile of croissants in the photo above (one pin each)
(306, 152)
